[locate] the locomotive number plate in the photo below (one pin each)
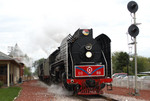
(88, 71)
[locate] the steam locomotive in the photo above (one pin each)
(81, 64)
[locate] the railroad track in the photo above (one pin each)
(92, 98)
(89, 97)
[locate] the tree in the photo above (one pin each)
(120, 61)
(149, 64)
(114, 61)
(143, 64)
(36, 64)
(27, 71)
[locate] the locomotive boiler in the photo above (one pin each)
(81, 64)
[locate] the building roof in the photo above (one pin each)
(5, 57)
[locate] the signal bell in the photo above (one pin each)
(132, 6)
(133, 30)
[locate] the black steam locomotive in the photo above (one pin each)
(82, 64)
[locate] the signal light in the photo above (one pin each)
(132, 6)
(133, 30)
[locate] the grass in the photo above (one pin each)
(8, 94)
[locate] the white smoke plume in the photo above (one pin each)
(58, 90)
(55, 89)
(50, 34)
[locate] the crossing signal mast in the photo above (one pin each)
(133, 30)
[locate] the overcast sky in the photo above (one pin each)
(38, 26)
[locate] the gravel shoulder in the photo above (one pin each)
(124, 93)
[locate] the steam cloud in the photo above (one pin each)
(57, 89)
(50, 35)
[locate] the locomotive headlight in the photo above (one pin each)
(88, 46)
(88, 54)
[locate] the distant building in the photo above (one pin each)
(10, 70)
(16, 53)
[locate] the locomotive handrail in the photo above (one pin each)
(106, 63)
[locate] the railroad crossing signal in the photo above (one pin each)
(132, 6)
(134, 31)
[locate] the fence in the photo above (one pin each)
(130, 83)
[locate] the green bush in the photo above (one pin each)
(1, 84)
